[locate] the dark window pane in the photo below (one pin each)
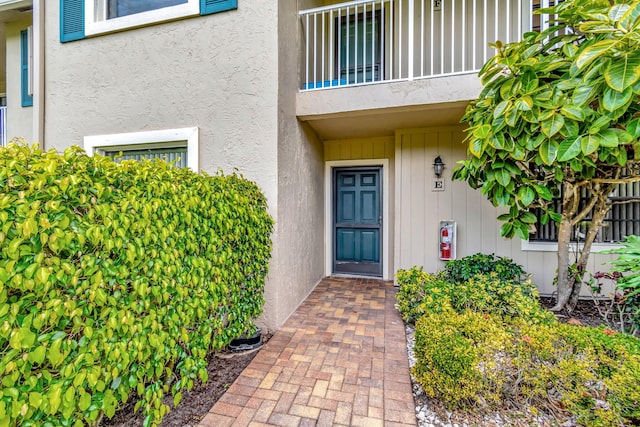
(117, 8)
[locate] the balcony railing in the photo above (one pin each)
(372, 41)
(3, 126)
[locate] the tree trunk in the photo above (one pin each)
(565, 284)
(599, 212)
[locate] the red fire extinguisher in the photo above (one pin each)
(445, 243)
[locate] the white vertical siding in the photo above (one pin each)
(419, 210)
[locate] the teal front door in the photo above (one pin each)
(357, 221)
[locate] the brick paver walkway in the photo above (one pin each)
(340, 359)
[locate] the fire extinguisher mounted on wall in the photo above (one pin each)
(447, 241)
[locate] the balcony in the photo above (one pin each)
(379, 58)
(374, 41)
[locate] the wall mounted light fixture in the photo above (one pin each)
(438, 166)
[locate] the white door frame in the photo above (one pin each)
(328, 210)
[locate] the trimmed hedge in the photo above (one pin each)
(486, 343)
(420, 293)
(478, 360)
(117, 281)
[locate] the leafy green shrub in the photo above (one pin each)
(454, 357)
(116, 281)
(470, 359)
(628, 263)
(421, 293)
(413, 287)
(463, 269)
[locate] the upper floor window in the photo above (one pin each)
(82, 18)
(118, 8)
(113, 15)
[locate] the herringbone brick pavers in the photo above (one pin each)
(340, 359)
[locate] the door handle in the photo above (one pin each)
(380, 220)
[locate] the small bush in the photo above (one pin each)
(413, 286)
(420, 293)
(473, 359)
(461, 270)
(117, 281)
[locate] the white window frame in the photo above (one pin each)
(526, 245)
(167, 138)
(96, 21)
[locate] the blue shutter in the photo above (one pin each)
(71, 20)
(213, 6)
(27, 99)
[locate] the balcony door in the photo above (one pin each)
(358, 48)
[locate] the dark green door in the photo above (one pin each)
(357, 221)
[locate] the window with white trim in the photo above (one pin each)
(82, 18)
(112, 15)
(179, 146)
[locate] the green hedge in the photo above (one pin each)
(420, 293)
(474, 360)
(485, 343)
(117, 281)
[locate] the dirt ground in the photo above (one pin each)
(585, 312)
(223, 369)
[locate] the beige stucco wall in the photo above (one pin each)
(419, 211)
(19, 118)
(219, 73)
(298, 252)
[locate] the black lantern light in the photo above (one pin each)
(438, 166)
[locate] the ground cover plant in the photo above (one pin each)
(117, 281)
(486, 344)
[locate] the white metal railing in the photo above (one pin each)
(3, 126)
(369, 41)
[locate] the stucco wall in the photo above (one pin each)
(419, 211)
(19, 118)
(299, 243)
(217, 72)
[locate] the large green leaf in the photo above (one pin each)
(573, 111)
(613, 99)
(501, 108)
(482, 131)
(631, 16)
(476, 147)
(589, 144)
(526, 195)
(529, 81)
(623, 71)
(608, 138)
(618, 11)
(503, 177)
(584, 93)
(594, 51)
(548, 151)
(569, 148)
(552, 125)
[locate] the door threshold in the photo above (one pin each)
(356, 276)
